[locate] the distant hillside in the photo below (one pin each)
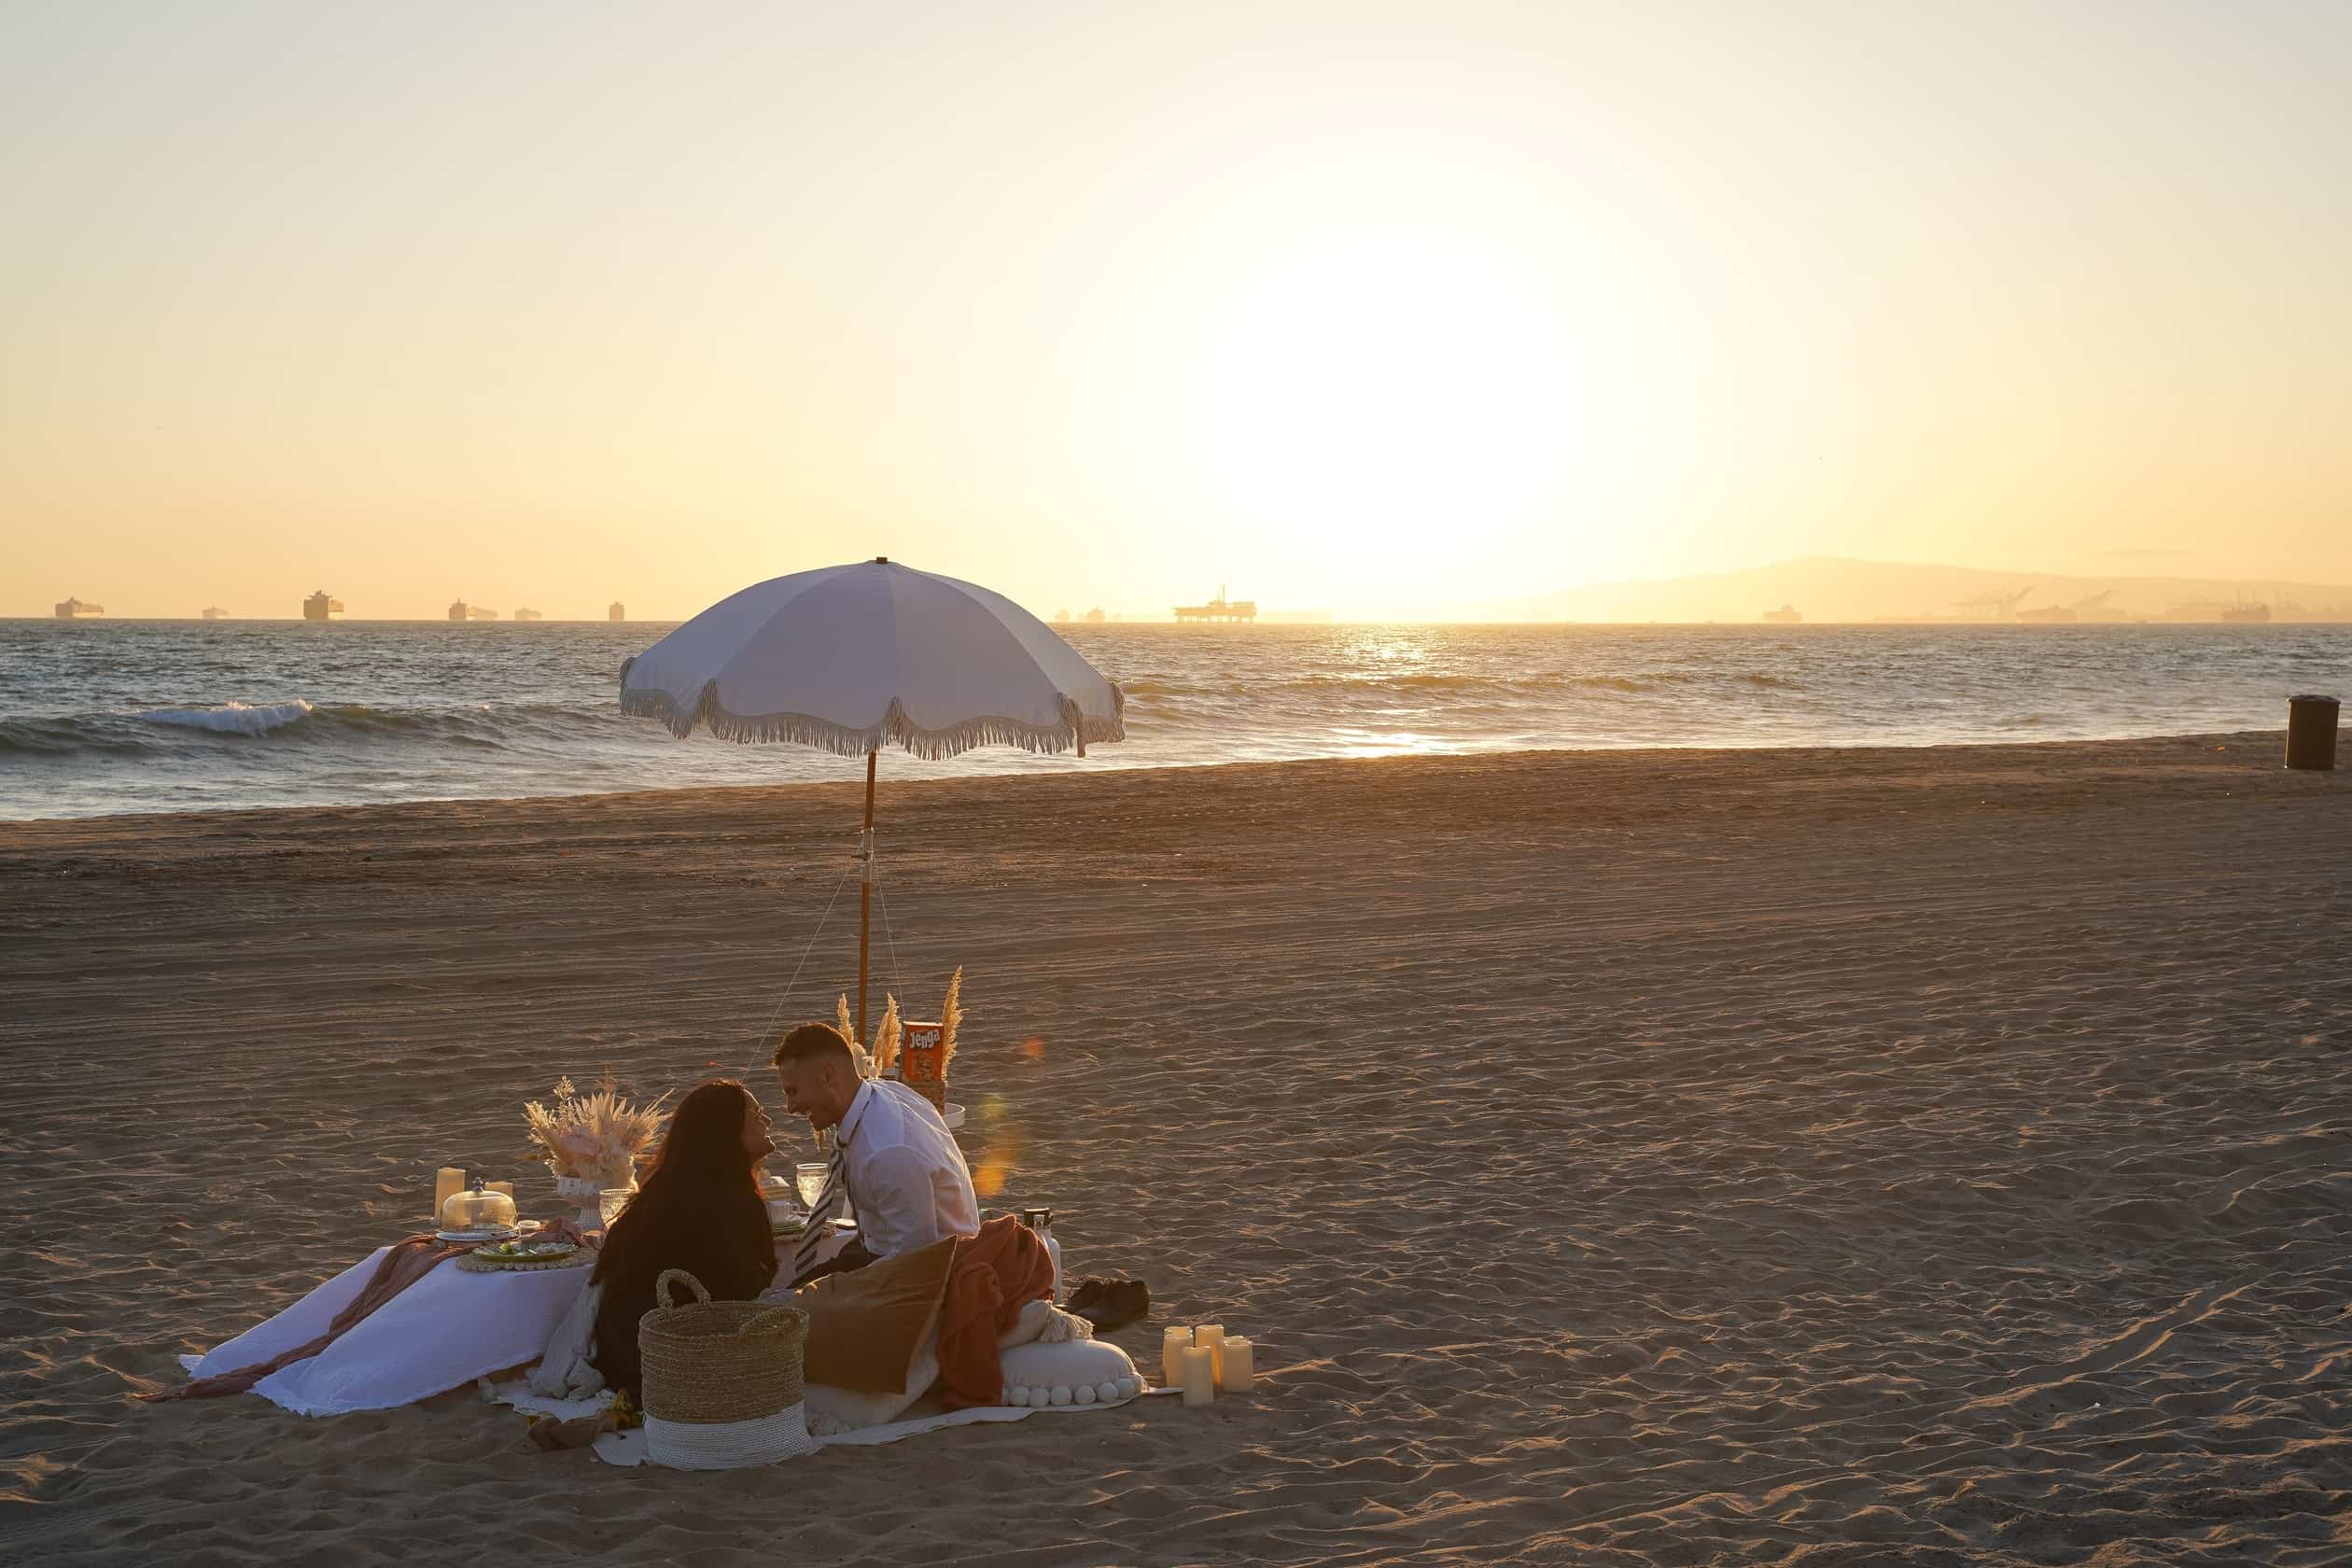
(1829, 589)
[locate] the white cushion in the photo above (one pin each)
(1072, 1372)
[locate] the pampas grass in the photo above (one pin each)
(597, 1136)
(885, 1036)
(950, 1014)
(864, 1065)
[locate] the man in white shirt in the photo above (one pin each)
(894, 1158)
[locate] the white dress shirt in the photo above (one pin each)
(907, 1179)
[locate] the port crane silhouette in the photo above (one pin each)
(1994, 606)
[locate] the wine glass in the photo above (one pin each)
(811, 1180)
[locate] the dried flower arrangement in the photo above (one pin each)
(950, 1014)
(859, 1059)
(886, 1037)
(594, 1138)
(919, 1052)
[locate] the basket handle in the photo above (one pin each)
(662, 1288)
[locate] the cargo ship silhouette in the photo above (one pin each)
(1219, 608)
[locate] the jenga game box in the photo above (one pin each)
(919, 1066)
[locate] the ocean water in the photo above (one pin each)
(128, 716)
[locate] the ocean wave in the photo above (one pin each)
(1388, 682)
(1162, 696)
(66, 737)
(302, 725)
(232, 718)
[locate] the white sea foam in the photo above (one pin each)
(232, 718)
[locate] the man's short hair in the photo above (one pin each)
(814, 1043)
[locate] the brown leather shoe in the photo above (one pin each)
(1120, 1303)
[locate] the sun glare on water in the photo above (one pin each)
(1385, 393)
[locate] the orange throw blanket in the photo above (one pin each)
(996, 1274)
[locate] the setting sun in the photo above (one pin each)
(1369, 393)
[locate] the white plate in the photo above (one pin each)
(481, 1233)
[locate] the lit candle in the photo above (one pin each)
(1209, 1337)
(448, 1181)
(1237, 1365)
(1201, 1374)
(1174, 1342)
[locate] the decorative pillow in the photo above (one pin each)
(1073, 1372)
(865, 1326)
(834, 1411)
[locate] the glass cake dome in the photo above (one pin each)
(477, 1210)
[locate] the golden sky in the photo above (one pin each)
(1386, 310)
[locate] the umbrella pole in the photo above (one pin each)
(865, 894)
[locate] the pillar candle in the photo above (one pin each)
(448, 1181)
(506, 1187)
(1201, 1374)
(1237, 1365)
(1174, 1342)
(1211, 1338)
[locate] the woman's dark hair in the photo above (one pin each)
(698, 1209)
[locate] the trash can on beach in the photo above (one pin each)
(2311, 732)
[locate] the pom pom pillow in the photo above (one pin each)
(1075, 1372)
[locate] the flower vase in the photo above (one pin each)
(585, 1191)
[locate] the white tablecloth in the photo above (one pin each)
(448, 1328)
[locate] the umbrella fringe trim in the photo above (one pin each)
(1077, 729)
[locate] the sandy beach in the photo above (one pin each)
(1623, 1157)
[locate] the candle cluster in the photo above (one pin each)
(1205, 1360)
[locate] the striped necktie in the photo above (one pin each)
(820, 1217)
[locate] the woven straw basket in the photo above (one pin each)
(722, 1380)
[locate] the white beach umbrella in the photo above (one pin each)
(853, 658)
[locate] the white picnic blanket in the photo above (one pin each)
(628, 1448)
(444, 1332)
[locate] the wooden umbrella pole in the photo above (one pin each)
(865, 894)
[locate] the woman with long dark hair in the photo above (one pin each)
(698, 1209)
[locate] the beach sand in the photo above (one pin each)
(1620, 1157)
